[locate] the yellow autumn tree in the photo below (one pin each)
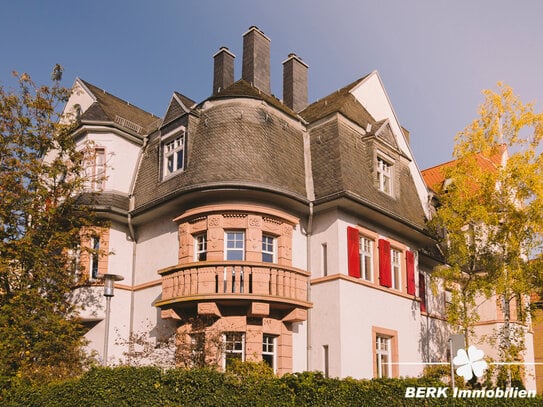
(491, 215)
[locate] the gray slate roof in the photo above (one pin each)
(113, 109)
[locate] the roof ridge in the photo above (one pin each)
(103, 91)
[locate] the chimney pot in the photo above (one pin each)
(223, 70)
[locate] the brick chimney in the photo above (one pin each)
(256, 59)
(295, 83)
(223, 70)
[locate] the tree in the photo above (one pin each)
(491, 209)
(41, 221)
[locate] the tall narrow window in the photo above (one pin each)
(268, 350)
(99, 169)
(95, 169)
(234, 348)
(383, 356)
(396, 269)
(94, 257)
(200, 247)
(326, 360)
(268, 249)
(197, 349)
(366, 258)
(324, 259)
(235, 245)
(174, 155)
(384, 176)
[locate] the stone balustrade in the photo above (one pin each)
(234, 279)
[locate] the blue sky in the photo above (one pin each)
(434, 56)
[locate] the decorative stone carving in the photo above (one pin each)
(214, 221)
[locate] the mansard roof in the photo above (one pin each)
(244, 89)
(340, 101)
(108, 107)
(344, 158)
(232, 142)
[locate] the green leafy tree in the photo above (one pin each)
(491, 213)
(41, 221)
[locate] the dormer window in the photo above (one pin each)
(174, 154)
(384, 175)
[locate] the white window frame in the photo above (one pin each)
(266, 248)
(94, 258)
(95, 169)
(228, 250)
(173, 144)
(383, 355)
(365, 248)
(267, 342)
(200, 246)
(396, 268)
(384, 175)
(227, 342)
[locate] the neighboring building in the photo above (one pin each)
(294, 231)
(490, 309)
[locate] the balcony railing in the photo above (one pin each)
(231, 279)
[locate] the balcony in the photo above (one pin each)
(234, 283)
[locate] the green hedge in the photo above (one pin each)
(149, 386)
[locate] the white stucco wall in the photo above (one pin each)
(121, 158)
(158, 248)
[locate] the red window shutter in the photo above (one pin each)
(422, 292)
(353, 238)
(410, 263)
(385, 276)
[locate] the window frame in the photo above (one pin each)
(391, 338)
(171, 149)
(267, 352)
(381, 354)
(234, 341)
(94, 258)
(198, 251)
(385, 173)
(228, 250)
(366, 253)
(396, 268)
(273, 252)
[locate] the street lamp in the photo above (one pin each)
(109, 286)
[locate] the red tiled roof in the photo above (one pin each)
(435, 176)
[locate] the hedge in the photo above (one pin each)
(150, 386)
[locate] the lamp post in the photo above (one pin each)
(109, 286)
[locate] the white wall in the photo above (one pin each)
(121, 158)
(158, 248)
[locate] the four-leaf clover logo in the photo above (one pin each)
(470, 362)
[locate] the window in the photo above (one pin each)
(235, 245)
(383, 355)
(324, 260)
(366, 258)
(268, 249)
(234, 348)
(94, 257)
(200, 247)
(268, 350)
(174, 155)
(396, 269)
(197, 349)
(326, 360)
(95, 169)
(384, 176)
